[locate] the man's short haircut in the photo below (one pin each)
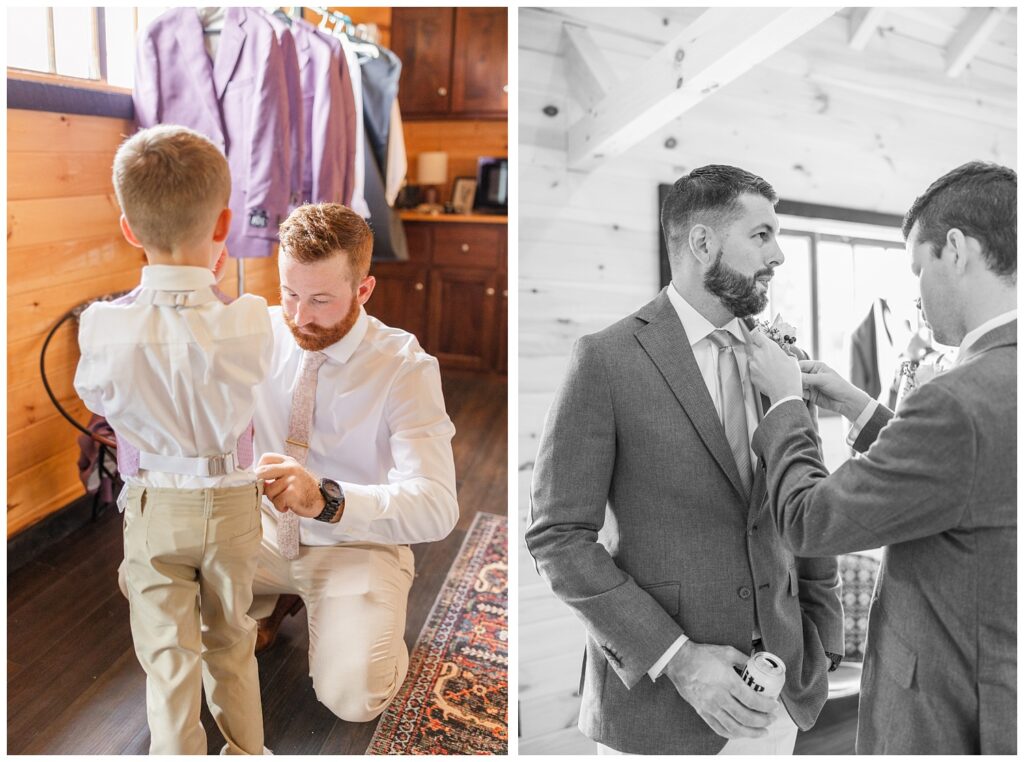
(171, 183)
(710, 195)
(315, 232)
(980, 200)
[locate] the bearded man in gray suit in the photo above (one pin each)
(689, 576)
(937, 484)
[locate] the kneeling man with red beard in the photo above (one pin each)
(355, 446)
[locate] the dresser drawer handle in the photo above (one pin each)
(490, 292)
(419, 286)
(442, 91)
(465, 247)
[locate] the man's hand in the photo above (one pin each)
(827, 389)
(772, 371)
(289, 486)
(704, 676)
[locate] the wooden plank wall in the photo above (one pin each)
(63, 248)
(818, 120)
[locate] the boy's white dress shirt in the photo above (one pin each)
(176, 380)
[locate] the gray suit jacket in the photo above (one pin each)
(938, 486)
(633, 428)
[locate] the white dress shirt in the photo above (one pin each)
(398, 162)
(379, 429)
(698, 328)
(175, 381)
(355, 77)
(970, 338)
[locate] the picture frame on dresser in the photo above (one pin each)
(463, 194)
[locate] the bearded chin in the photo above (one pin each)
(738, 293)
(321, 338)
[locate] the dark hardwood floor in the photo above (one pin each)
(75, 687)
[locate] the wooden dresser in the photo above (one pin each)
(452, 293)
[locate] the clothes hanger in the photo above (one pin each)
(212, 19)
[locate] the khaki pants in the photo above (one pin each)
(190, 556)
(356, 596)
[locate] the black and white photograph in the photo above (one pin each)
(767, 380)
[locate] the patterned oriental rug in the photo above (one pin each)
(455, 697)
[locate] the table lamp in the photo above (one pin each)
(431, 171)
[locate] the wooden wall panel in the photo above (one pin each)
(64, 247)
(464, 141)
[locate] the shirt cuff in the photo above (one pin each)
(361, 507)
(861, 422)
(779, 402)
(659, 666)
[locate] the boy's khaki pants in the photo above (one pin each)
(190, 557)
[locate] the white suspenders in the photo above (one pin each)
(212, 465)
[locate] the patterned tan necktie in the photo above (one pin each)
(734, 410)
(297, 443)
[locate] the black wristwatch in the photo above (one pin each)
(334, 501)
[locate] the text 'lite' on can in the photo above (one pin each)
(765, 673)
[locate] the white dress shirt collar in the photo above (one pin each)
(176, 278)
(345, 347)
(981, 330)
(697, 326)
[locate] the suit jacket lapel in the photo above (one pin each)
(665, 342)
(229, 49)
(197, 62)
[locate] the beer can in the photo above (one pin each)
(765, 673)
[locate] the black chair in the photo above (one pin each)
(108, 446)
(858, 573)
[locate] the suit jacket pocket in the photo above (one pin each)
(998, 710)
(897, 660)
(666, 594)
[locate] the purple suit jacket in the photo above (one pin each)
(239, 101)
(298, 138)
(325, 113)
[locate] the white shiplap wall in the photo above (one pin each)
(821, 122)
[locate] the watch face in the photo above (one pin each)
(331, 488)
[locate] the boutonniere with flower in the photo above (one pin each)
(912, 374)
(779, 331)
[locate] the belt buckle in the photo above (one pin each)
(219, 465)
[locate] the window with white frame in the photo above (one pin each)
(93, 44)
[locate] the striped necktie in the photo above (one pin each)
(297, 443)
(734, 411)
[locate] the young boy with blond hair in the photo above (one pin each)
(174, 366)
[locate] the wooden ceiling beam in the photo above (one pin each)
(587, 70)
(719, 46)
(972, 34)
(864, 22)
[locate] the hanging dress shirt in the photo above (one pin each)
(355, 80)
